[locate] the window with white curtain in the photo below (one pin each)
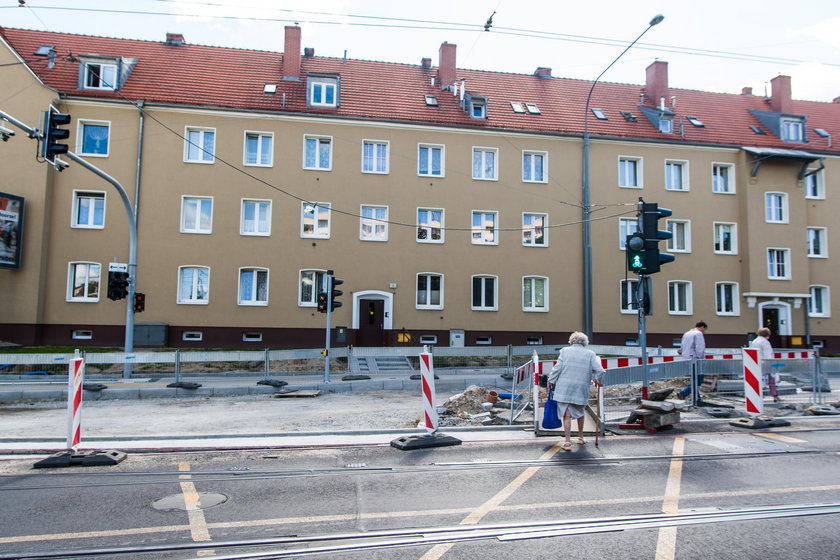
(253, 286)
(194, 285)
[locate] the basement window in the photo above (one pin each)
(628, 116)
(252, 337)
(428, 339)
(532, 108)
(517, 107)
(82, 335)
(756, 129)
(534, 340)
(431, 101)
(484, 340)
(192, 336)
(599, 114)
(695, 121)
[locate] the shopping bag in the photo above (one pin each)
(551, 420)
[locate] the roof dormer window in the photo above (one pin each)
(792, 130)
(475, 105)
(99, 74)
(666, 125)
(322, 91)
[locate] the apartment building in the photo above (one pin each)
(448, 200)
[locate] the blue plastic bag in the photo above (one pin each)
(551, 420)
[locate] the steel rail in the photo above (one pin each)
(425, 536)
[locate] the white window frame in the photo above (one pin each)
(666, 125)
(530, 168)
(530, 306)
(727, 180)
(483, 295)
(792, 130)
(187, 200)
(679, 168)
(255, 301)
(78, 195)
(821, 235)
(717, 233)
(674, 307)
(477, 236)
(627, 289)
(313, 277)
(200, 153)
(814, 184)
(318, 232)
(318, 140)
(673, 226)
(326, 83)
(482, 173)
(260, 154)
(80, 138)
(374, 163)
(370, 225)
(193, 298)
(478, 108)
(720, 302)
(87, 297)
(105, 79)
(637, 182)
(825, 297)
(774, 266)
(626, 226)
(429, 229)
(428, 290)
(262, 214)
(771, 209)
(529, 229)
(430, 151)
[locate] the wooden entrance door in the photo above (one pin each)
(371, 320)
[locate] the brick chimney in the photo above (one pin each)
(780, 100)
(446, 66)
(175, 39)
(656, 85)
(291, 54)
(746, 91)
(542, 72)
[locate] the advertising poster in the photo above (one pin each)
(11, 230)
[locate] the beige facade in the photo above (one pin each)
(217, 283)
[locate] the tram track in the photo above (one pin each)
(296, 546)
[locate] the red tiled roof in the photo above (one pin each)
(234, 78)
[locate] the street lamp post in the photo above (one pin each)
(587, 243)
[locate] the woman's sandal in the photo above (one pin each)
(581, 441)
(567, 446)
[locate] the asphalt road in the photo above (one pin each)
(374, 501)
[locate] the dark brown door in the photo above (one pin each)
(770, 319)
(371, 319)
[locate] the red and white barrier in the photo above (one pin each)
(74, 402)
(427, 374)
(753, 391)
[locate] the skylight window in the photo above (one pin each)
(822, 132)
(756, 129)
(431, 101)
(599, 114)
(628, 116)
(695, 121)
(517, 107)
(532, 108)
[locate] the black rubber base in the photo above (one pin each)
(407, 443)
(81, 459)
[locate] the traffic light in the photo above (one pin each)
(651, 214)
(323, 300)
(139, 302)
(635, 249)
(50, 146)
(335, 293)
(117, 285)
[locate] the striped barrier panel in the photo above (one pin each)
(74, 402)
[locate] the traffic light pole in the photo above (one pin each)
(328, 281)
(641, 296)
(132, 231)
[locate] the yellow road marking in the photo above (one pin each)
(438, 551)
(666, 542)
(780, 437)
(320, 519)
(192, 501)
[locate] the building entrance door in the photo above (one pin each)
(770, 319)
(371, 319)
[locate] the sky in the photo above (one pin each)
(714, 45)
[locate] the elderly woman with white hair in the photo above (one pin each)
(570, 378)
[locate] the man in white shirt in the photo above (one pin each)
(693, 347)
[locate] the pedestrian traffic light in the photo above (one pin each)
(117, 285)
(635, 248)
(323, 300)
(50, 146)
(335, 293)
(650, 216)
(139, 302)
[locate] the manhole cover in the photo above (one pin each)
(176, 501)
